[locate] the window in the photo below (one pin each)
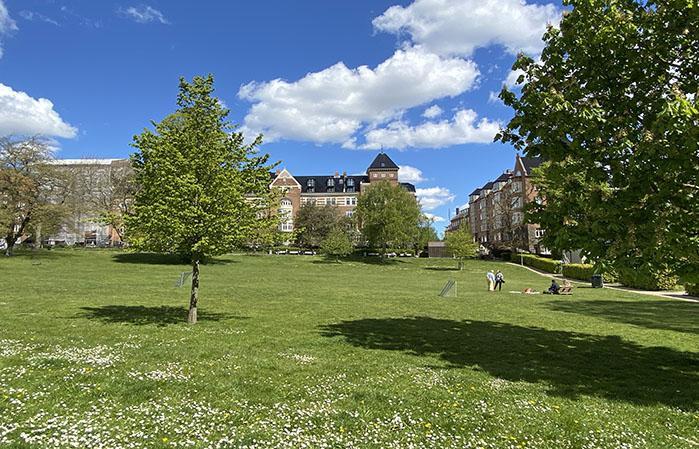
(311, 185)
(383, 175)
(517, 186)
(539, 233)
(350, 185)
(286, 227)
(390, 175)
(331, 201)
(516, 202)
(286, 203)
(349, 213)
(352, 201)
(374, 175)
(331, 184)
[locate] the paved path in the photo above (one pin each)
(664, 294)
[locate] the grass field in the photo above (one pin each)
(294, 351)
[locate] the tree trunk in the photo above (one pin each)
(37, 237)
(194, 296)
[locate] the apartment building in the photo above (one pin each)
(340, 190)
(495, 213)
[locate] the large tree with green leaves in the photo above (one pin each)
(202, 190)
(388, 215)
(314, 223)
(612, 107)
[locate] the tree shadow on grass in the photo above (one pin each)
(142, 315)
(570, 363)
(671, 315)
(162, 259)
(442, 268)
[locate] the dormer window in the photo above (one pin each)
(331, 184)
(311, 185)
(350, 185)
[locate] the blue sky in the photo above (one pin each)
(328, 83)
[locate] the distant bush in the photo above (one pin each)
(647, 279)
(584, 272)
(692, 289)
(541, 263)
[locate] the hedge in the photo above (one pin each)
(541, 263)
(647, 279)
(584, 272)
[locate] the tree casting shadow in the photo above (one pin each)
(671, 315)
(142, 315)
(162, 259)
(571, 363)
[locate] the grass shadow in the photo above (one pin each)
(142, 315)
(652, 314)
(570, 363)
(442, 268)
(162, 259)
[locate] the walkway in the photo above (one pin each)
(664, 294)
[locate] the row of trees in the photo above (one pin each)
(612, 107)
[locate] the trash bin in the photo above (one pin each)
(597, 281)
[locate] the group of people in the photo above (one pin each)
(495, 280)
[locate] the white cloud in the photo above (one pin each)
(434, 197)
(23, 115)
(144, 14)
(432, 112)
(332, 105)
(434, 218)
(7, 25)
(32, 16)
(406, 173)
(493, 97)
(461, 129)
(511, 80)
(458, 27)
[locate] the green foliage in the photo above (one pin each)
(584, 272)
(540, 263)
(337, 244)
(425, 233)
(460, 244)
(388, 215)
(647, 277)
(314, 224)
(692, 289)
(612, 108)
(201, 189)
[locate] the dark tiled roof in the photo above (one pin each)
(488, 186)
(504, 177)
(383, 162)
(409, 187)
(475, 192)
(531, 162)
(321, 183)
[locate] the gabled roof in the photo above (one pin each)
(383, 162)
(475, 192)
(531, 162)
(488, 186)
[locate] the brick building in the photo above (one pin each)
(495, 212)
(340, 190)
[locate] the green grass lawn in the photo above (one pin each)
(293, 351)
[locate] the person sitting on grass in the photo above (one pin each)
(554, 288)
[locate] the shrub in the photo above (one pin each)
(541, 263)
(692, 289)
(584, 272)
(647, 279)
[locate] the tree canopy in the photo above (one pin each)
(612, 108)
(388, 215)
(202, 190)
(461, 245)
(314, 223)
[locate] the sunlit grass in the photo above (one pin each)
(293, 351)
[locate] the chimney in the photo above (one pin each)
(344, 174)
(277, 172)
(337, 174)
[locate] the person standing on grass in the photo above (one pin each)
(499, 280)
(491, 280)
